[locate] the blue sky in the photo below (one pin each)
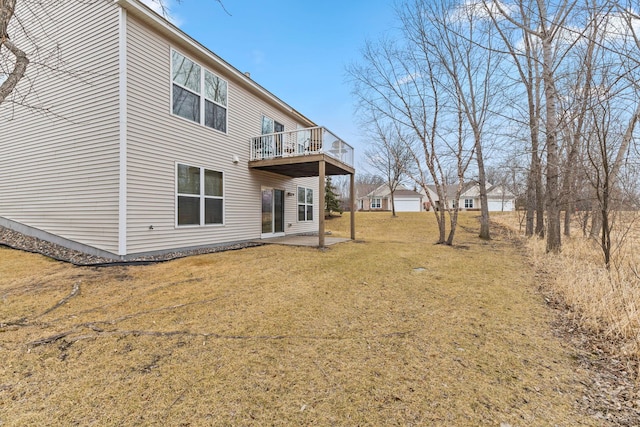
(296, 49)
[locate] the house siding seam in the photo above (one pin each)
(60, 168)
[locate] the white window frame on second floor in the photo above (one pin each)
(207, 92)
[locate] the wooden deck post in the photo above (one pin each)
(352, 201)
(321, 202)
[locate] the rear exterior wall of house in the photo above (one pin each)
(81, 132)
(59, 136)
(158, 140)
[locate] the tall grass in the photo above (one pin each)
(603, 301)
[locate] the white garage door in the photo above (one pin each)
(497, 206)
(407, 205)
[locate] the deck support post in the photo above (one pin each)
(321, 202)
(352, 205)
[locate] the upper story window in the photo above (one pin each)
(198, 94)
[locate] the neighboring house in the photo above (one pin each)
(153, 143)
(499, 199)
(406, 200)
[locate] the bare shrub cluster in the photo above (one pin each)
(604, 301)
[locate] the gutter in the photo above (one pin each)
(173, 33)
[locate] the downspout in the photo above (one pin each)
(122, 117)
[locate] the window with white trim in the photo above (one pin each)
(468, 203)
(376, 203)
(199, 196)
(198, 94)
(305, 204)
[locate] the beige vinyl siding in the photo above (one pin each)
(60, 165)
(157, 140)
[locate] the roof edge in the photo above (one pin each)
(166, 28)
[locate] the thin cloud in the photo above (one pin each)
(408, 79)
(165, 9)
(479, 9)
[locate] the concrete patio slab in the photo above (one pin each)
(311, 241)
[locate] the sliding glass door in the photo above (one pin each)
(272, 212)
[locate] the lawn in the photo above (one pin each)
(387, 330)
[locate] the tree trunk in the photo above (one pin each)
(484, 206)
(530, 205)
(393, 204)
(441, 225)
(7, 8)
(596, 223)
(554, 240)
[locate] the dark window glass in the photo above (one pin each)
(188, 179)
(215, 116)
(188, 210)
(186, 104)
(212, 183)
(213, 211)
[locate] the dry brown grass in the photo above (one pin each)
(605, 302)
(277, 335)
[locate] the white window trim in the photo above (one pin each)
(201, 95)
(312, 204)
(201, 197)
(468, 205)
(375, 205)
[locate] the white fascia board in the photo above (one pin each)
(173, 33)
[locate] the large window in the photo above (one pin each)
(198, 94)
(468, 203)
(199, 196)
(376, 203)
(305, 204)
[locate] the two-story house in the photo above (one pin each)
(141, 140)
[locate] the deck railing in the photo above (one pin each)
(301, 142)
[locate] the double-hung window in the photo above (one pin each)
(200, 198)
(305, 204)
(376, 203)
(198, 94)
(468, 203)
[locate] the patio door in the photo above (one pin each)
(272, 212)
(271, 144)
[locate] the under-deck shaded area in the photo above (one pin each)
(307, 153)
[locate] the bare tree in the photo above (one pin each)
(400, 81)
(545, 23)
(388, 154)
(523, 51)
(459, 36)
(18, 51)
(367, 182)
(13, 59)
(612, 117)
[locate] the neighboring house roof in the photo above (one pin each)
(407, 193)
(471, 189)
(383, 191)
